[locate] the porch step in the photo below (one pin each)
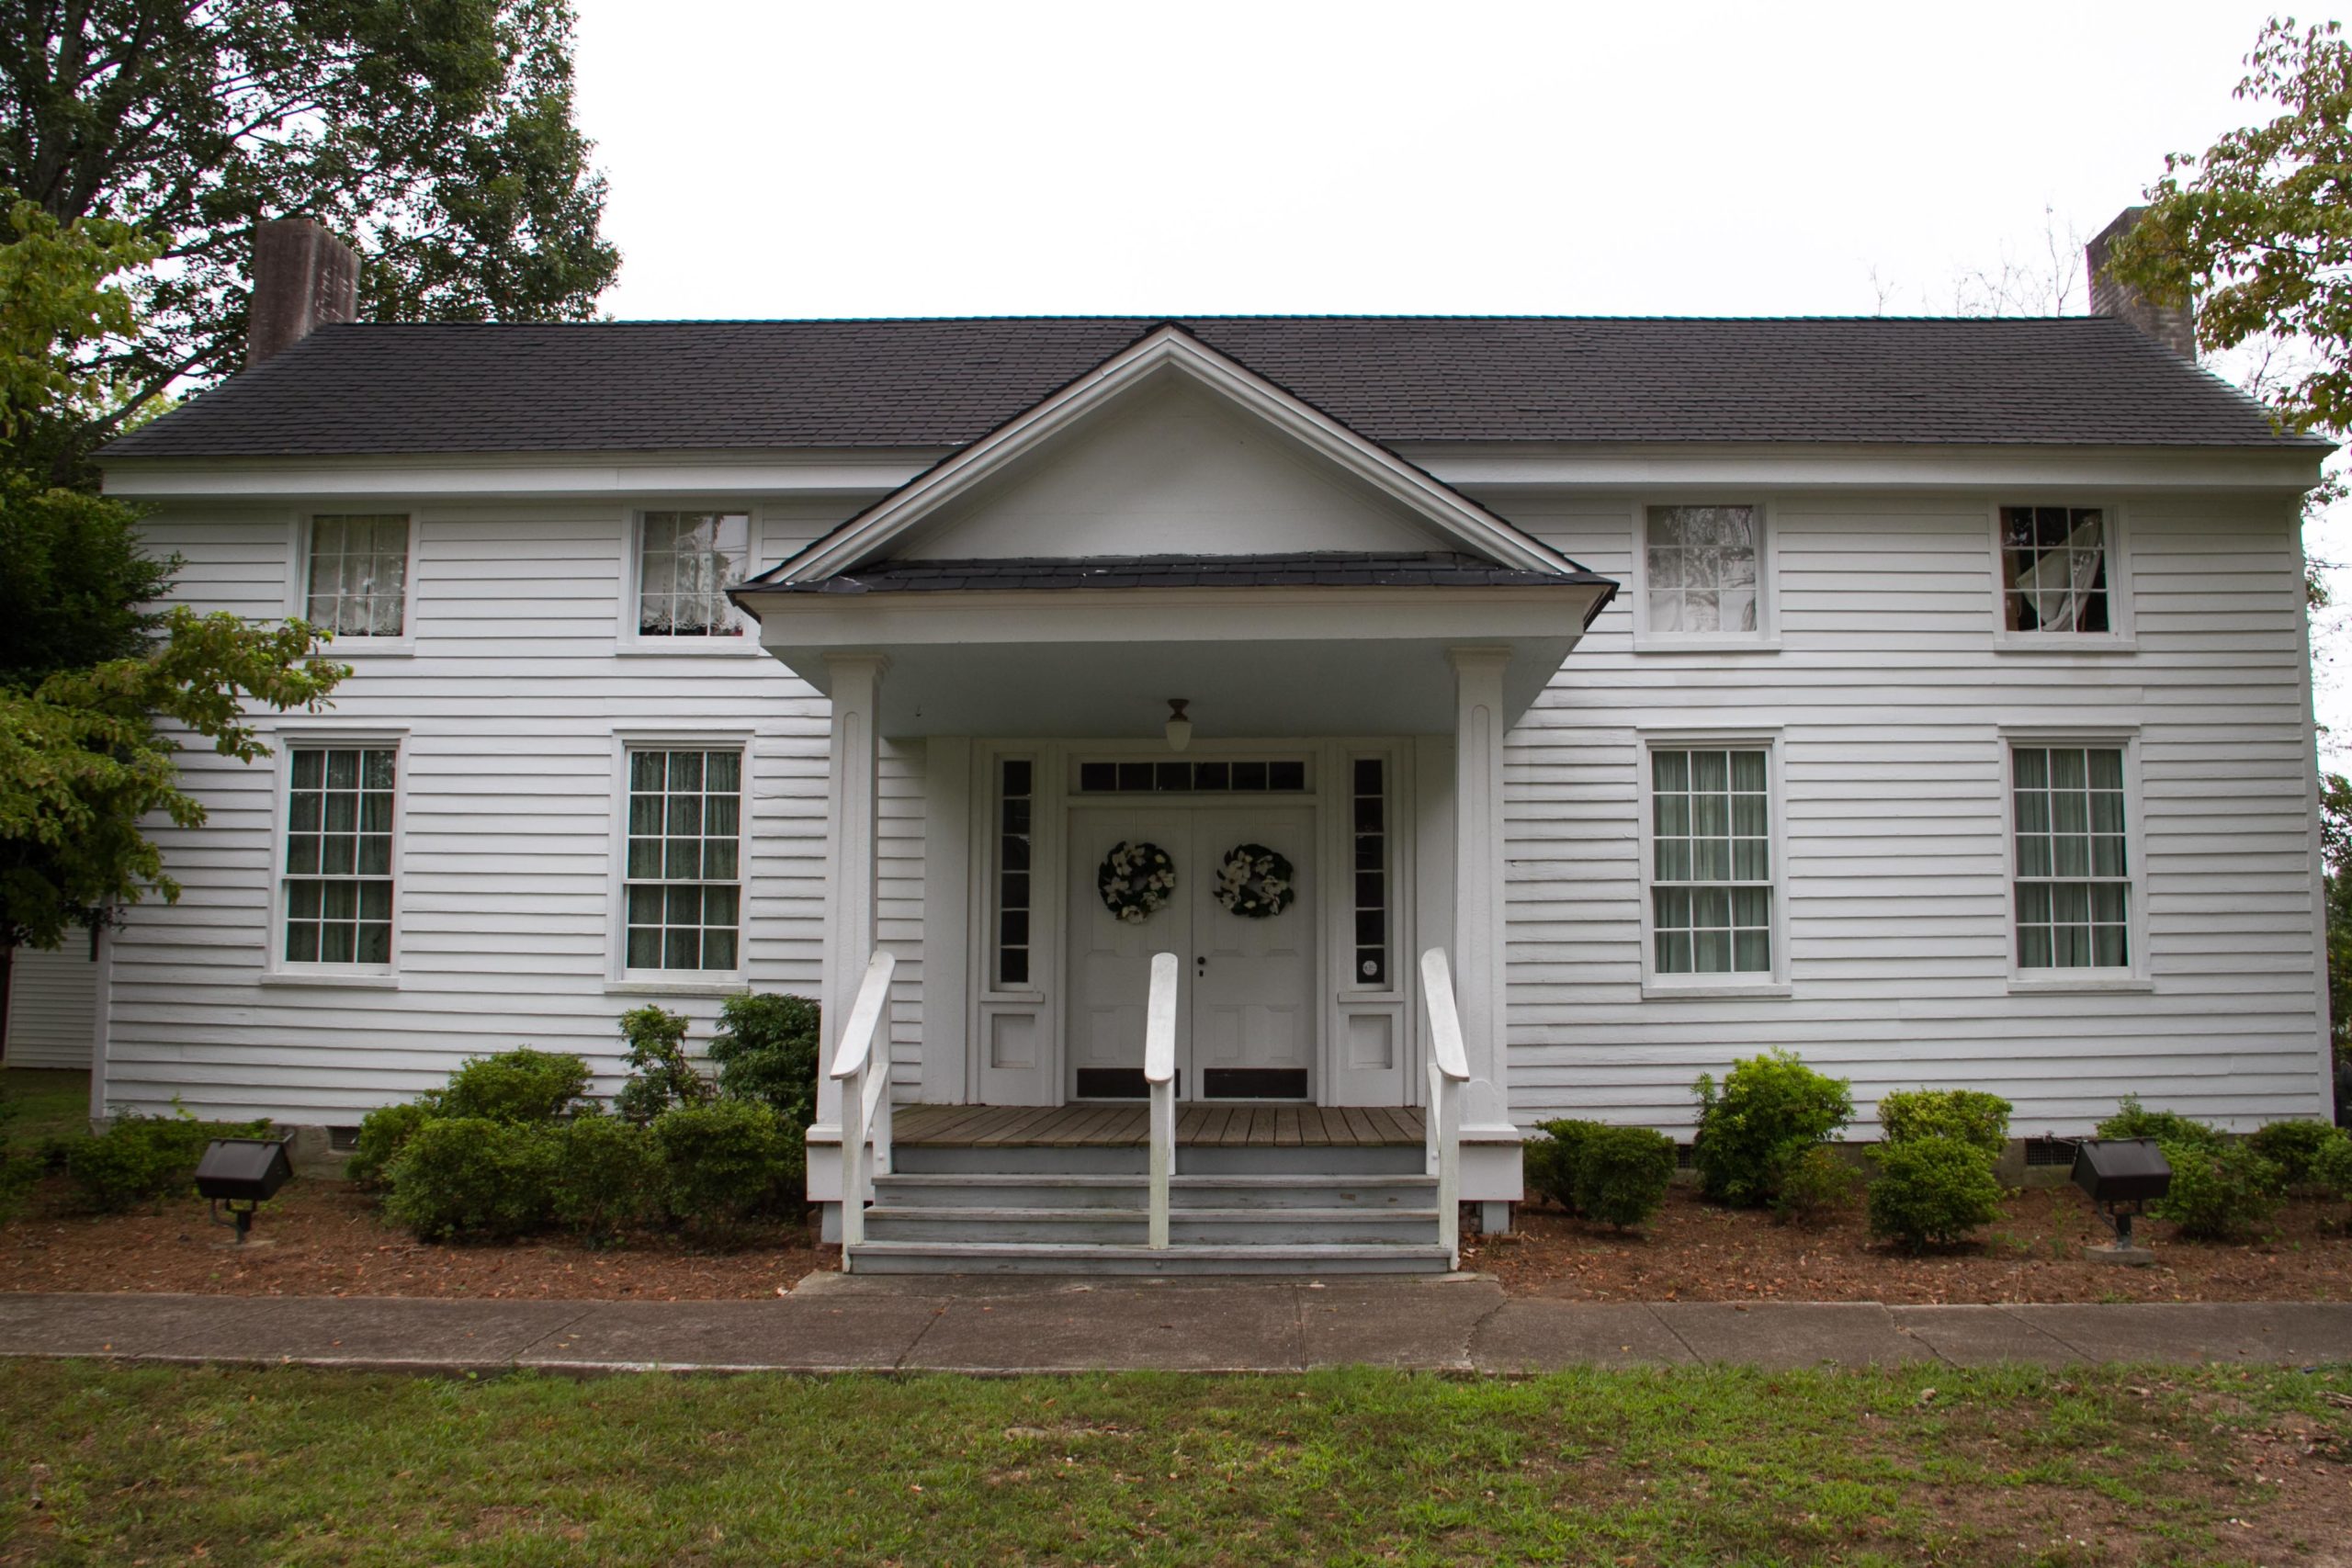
(993, 1257)
(1113, 1159)
(1187, 1226)
(1016, 1190)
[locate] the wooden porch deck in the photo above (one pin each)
(1120, 1127)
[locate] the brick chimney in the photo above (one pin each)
(303, 279)
(2175, 326)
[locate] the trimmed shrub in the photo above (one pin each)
(383, 1131)
(1621, 1174)
(1771, 1110)
(660, 1076)
(766, 1050)
(2294, 1147)
(1979, 1120)
(2218, 1192)
(723, 1163)
(142, 1158)
(520, 1085)
(1817, 1184)
(607, 1175)
(1932, 1192)
(2332, 1166)
(2132, 1120)
(1552, 1161)
(17, 1172)
(471, 1178)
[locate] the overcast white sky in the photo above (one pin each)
(795, 159)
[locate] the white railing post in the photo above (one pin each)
(1159, 1075)
(1449, 1069)
(866, 1099)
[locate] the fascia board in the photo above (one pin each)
(1647, 466)
(730, 474)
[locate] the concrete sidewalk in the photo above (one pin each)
(841, 1322)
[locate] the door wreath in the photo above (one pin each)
(1135, 880)
(1255, 883)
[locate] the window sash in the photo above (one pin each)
(1712, 882)
(1702, 571)
(2069, 829)
(359, 574)
(686, 561)
(2054, 572)
(682, 883)
(337, 877)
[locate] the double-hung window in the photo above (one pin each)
(1702, 575)
(2057, 578)
(336, 896)
(683, 895)
(2073, 857)
(359, 574)
(1712, 889)
(686, 561)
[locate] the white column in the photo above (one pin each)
(1478, 859)
(850, 895)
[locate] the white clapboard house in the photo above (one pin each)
(1526, 715)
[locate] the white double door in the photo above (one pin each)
(1245, 1020)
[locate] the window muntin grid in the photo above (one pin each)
(1368, 803)
(1275, 775)
(686, 561)
(2073, 883)
(1710, 870)
(358, 584)
(1016, 784)
(1700, 569)
(683, 889)
(338, 878)
(2054, 569)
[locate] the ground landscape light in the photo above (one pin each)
(242, 1170)
(2122, 1174)
(1180, 729)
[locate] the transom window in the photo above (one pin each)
(338, 887)
(1711, 866)
(2053, 569)
(2073, 884)
(358, 584)
(1700, 569)
(684, 882)
(687, 562)
(1280, 775)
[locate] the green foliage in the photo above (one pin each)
(520, 1085)
(2169, 1128)
(607, 1175)
(1551, 1160)
(383, 1132)
(724, 1162)
(2331, 1170)
(18, 1171)
(766, 1050)
(472, 1178)
(142, 1158)
(2335, 853)
(1931, 1191)
(2219, 1191)
(660, 1076)
(1973, 1118)
(1771, 1110)
(1815, 1185)
(1621, 1175)
(2257, 229)
(2294, 1147)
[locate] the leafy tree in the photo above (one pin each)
(2336, 850)
(436, 134)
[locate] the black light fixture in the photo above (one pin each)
(2122, 1174)
(242, 1170)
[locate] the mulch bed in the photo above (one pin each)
(328, 1240)
(1695, 1251)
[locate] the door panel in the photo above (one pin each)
(1110, 959)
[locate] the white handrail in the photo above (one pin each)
(1449, 1069)
(865, 1099)
(1159, 1075)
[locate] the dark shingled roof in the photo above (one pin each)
(1322, 568)
(646, 386)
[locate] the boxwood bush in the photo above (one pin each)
(520, 1085)
(2132, 1120)
(1976, 1119)
(1818, 1184)
(2294, 1147)
(2218, 1192)
(1622, 1174)
(766, 1050)
(140, 1158)
(723, 1163)
(1770, 1111)
(1931, 1191)
(1551, 1160)
(472, 1178)
(383, 1132)
(607, 1175)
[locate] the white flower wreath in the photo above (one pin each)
(1135, 880)
(1255, 883)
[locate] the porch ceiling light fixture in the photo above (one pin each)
(1180, 729)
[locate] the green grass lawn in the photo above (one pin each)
(1701, 1466)
(50, 1104)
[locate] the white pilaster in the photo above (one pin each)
(1478, 830)
(850, 891)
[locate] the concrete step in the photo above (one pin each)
(1046, 1159)
(1015, 1189)
(1310, 1260)
(1206, 1227)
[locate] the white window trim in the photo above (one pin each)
(2123, 639)
(2134, 977)
(1658, 986)
(633, 644)
(276, 970)
(620, 978)
(352, 645)
(1765, 638)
